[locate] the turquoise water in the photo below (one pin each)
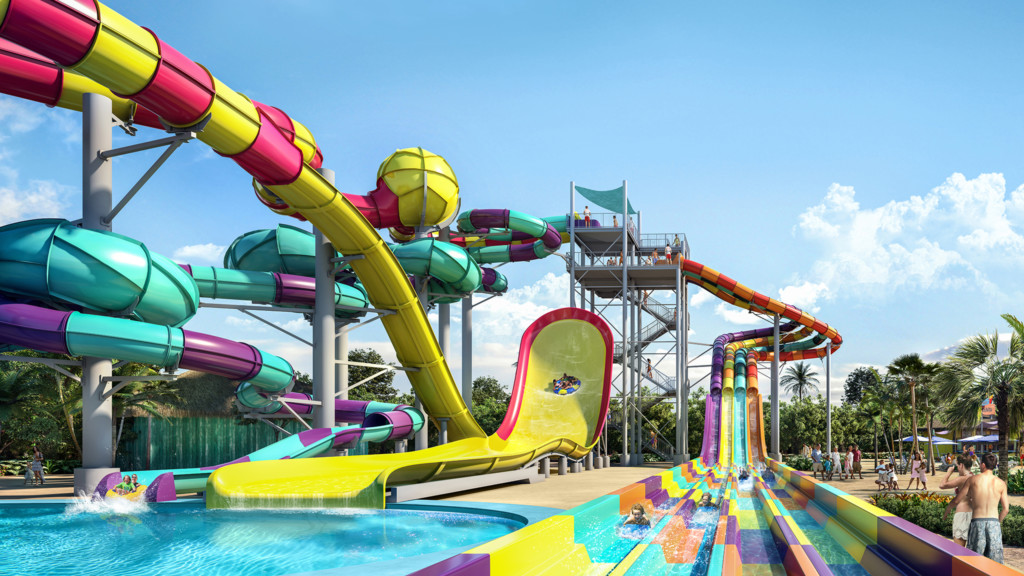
(132, 538)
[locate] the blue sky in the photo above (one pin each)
(862, 162)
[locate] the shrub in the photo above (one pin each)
(798, 462)
(1015, 482)
(17, 467)
(925, 510)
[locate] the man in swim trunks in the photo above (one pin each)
(985, 492)
(962, 517)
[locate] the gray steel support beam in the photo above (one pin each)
(324, 376)
(97, 198)
(572, 244)
(828, 395)
(774, 453)
(467, 351)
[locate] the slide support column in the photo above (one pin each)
(324, 386)
(467, 351)
(775, 392)
(828, 395)
(97, 194)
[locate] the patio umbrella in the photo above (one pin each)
(911, 439)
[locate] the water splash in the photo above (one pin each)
(88, 504)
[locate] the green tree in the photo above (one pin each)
(43, 406)
(490, 403)
(801, 421)
(912, 372)
(974, 373)
(380, 386)
(142, 396)
(856, 382)
(799, 379)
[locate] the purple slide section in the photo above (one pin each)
(354, 411)
(215, 355)
(43, 329)
(33, 327)
(161, 489)
(497, 218)
(288, 288)
(490, 276)
(712, 415)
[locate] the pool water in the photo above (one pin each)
(133, 538)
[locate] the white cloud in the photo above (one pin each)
(940, 240)
(805, 296)
(295, 325)
(209, 253)
(940, 354)
(19, 116)
(980, 205)
(40, 199)
(736, 315)
(700, 296)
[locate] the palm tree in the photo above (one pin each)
(872, 406)
(974, 373)
(800, 379)
(913, 372)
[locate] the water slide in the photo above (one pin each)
(777, 521)
(61, 50)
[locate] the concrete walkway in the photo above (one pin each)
(57, 486)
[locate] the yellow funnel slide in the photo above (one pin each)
(559, 403)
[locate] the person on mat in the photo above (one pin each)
(637, 515)
(768, 476)
(706, 501)
(985, 492)
(744, 474)
(125, 487)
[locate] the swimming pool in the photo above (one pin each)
(122, 537)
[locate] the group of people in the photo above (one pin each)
(34, 469)
(977, 501)
(128, 485)
(846, 464)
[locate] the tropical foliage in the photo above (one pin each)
(976, 372)
(800, 379)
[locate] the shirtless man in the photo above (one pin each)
(962, 517)
(985, 492)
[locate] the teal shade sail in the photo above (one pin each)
(608, 199)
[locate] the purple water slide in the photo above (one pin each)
(45, 330)
(712, 415)
(33, 327)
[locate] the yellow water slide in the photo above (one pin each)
(565, 345)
